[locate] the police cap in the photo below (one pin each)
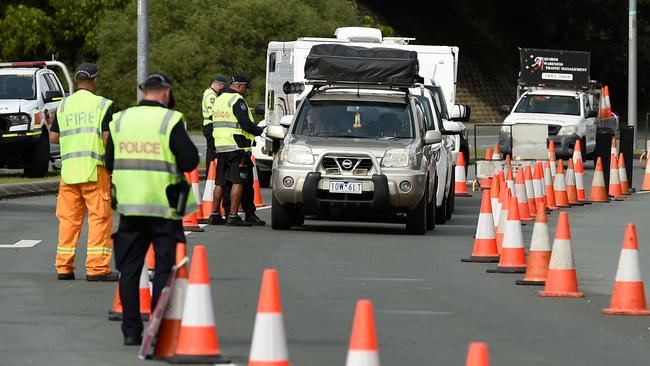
(219, 79)
(86, 71)
(156, 81)
(239, 79)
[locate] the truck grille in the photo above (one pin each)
(553, 129)
(346, 164)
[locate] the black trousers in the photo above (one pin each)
(210, 153)
(131, 241)
(248, 194)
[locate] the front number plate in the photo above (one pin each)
(345, 187)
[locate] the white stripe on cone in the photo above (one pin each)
(208, 192)
(580, 184)
(530, 191)
(540, 242)
(538, 188)
(560, 183)
(362, 358)
(599, 179)
(553, 167)
(175, 307)
(520, 190)
(144, 279)
(197, 192)
(269, 342)
(561, 256)
(485, 226)
(512, 237)
(496, 209)
(197, 311)
(459, 171)
(628, 266)
(510, 184)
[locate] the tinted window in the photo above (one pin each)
(272, 62)
(52, 82)
(439, 99)
(549, 104)
(17, 87)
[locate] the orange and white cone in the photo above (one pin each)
(145, 299)
(645, 186)
(460, 185)
(539, 253)
(196, 189)
(486, 183)
(561, 280)
(496, 154)
(559, 186)
(170, 326)
(577, 152)
(510, 181)
(208, 192)
(551, 158)
(256, 186)
(622, 175)
(628, 296)
(485, 244)
(522, 198)
(269, 345)
(549, 192)
(197, 339)
(478, 354)
(191, 221)
(571, 189)
(580, 182)
(614, 181)
(513, 257)
(538, 184)
(613, 150)
(598, 192)
(605, 109)
(508, 163)
(503, 217)
(363, 349)
(494, 201)
(530, 191)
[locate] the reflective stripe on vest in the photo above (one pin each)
(80, 119)
(143, 164)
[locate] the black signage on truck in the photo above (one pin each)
(554, 67)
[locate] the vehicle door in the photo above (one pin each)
(591, 123)
(434, 152)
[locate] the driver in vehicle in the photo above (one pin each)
(316, 126)
(390, 125)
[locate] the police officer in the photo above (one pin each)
(148, 150)
(81, 128)
(209, 97)
(234, 131)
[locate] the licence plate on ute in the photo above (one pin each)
(345, 187)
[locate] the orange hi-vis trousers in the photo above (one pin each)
(73, 201)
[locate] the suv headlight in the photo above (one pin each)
(398, 158)
(567, 130)
(18, 119)
(298, 154)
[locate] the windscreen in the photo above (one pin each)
(17, 86)
(549, 104)
(353, 119)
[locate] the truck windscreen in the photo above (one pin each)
(17, 87)
(353, 119)
(549, 104)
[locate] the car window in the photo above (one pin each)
(428, 113)
(439, 99)
(53, 82)
(19, 86)
(549, 104)
(43, 85)
(354, 119)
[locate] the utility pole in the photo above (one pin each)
(631, 67)
(143, 44)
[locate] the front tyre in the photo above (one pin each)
(38, 159)
(282, 217)
(416, 219)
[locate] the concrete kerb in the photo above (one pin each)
(16, 190)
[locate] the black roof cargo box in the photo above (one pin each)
(335, 62)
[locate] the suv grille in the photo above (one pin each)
(553, 129)
(346, 164)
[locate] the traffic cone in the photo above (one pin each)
(580, 182)
(496, 154)
(116, 311)
(269, 345)
(598, 192)
(488, 154)
(197, 339)
(145, 299)
(551, 158)
(195, 181)
(170, 326)
(150, 258)
(513, 256)
(208, 192)
(530, 192)
(608, 104)
(503, 217)
(614, 181)
(539, 254)
(510, 181)
(571, 190)
(522, 198)
(577, 152)
(363, 349)
(646, 176)
(561, 280)
(622, 175)
(485, 244)
(628, 296)
(508, 162)
(460, 186)
(538, 184)
(191, 221)
(494, 201)
(605, 109)
(256, 186)
(559, 186)
(486, 183)
(549, 192)
(613, 150)
(478, 354)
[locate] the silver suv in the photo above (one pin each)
(359, 153)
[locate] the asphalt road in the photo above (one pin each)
(428, 305)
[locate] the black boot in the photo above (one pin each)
(235, 220)
(254, 220)
(216, 219)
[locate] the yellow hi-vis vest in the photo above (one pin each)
(225, 124)
(209, 97)
(80, 119)
(144, 164)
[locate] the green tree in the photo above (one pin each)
(26, 33)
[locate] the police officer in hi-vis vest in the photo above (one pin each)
(209, 97)
(81, 128)
(234, 131)
(147, 151)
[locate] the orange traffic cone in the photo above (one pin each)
(116, 311)
(613, 150)
(549, 192)
(580, 182)
(510, 181)
(488, 154)
(145, 299)
(539, 254)
(538, 184)
(494, 201)
(486, 183)
(208, 192)
(256, 186)
(269, 345)
(614, 181)
(561, 280)
(150, 258)
(191, 221)
(496, 154)
(605, 109)
(559, 186)
(522, 198)
(478, 354)
(195, 181)
(646, 176)
(530, 191)
(363, 341)
(608, 104)
(197, 339)
(460, 180)
(622, 175)
(508, 162)
(485, 244)
(551, 158)
(628, 296)
(577, 152)
(571, 189)
(513, 256)
(170, 326)
(598, 192)
(503, 217)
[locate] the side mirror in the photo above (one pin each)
(432, 137)
(259, 109)
(460, 113)
(53, 96)
(285, 121)
(592, 113)
(275, 132)
(504, 109)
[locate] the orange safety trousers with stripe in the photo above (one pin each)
(73, 202)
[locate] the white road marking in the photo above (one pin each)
(21, 244)
(415, 312)
(385, 279)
